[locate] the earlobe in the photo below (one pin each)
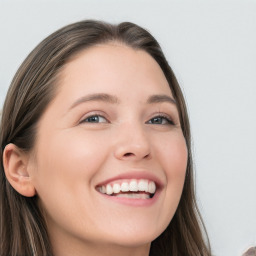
(15, 163)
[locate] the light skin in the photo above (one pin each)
(114, 114)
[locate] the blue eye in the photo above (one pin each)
(94, 119)
(160, 120)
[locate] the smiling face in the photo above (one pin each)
(110, 155)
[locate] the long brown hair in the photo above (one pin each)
(23, 229)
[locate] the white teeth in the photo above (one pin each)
(102, 189)
(151, 187)
(109, 189)
(134, 186)
(116, 188)
(125, 187)
(143, 185)
(137, 196)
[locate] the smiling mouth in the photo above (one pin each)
(133, 189)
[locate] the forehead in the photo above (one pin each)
(114, 64)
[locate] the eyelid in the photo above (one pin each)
(169, 119)
(91, 114)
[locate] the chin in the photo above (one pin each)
(133, 239)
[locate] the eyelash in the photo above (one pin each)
(91, 116)
(168, 120)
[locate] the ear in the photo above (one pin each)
(15, 163)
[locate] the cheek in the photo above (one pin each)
(67, 162)
(173, 154)
(176, 164)
(70, 153)
(177, 158)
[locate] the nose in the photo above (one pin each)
(132, 144)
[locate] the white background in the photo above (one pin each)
(211, 46)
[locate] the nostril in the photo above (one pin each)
(147, 156)
(128, 154)
(131, 154)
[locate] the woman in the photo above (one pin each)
(96, 150)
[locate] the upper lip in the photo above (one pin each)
(134, 175)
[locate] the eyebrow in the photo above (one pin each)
(104, 97)
(158, 98)
(96, 97)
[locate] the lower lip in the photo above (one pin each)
(133, 201)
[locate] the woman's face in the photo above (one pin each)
(110, 153)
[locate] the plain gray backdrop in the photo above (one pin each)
(211, 46)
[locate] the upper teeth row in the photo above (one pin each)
(125, 186)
